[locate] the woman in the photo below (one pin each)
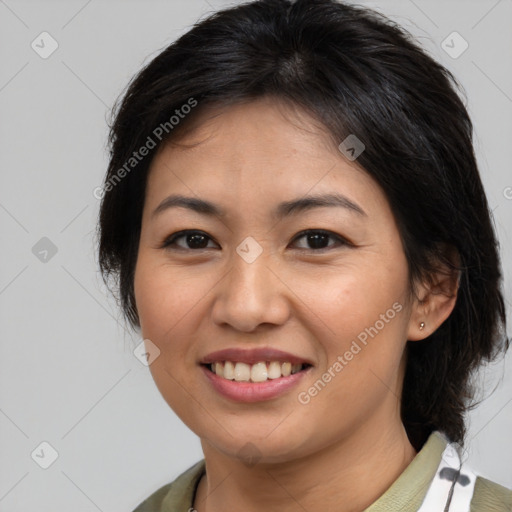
(295, 216)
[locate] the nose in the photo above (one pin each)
(252, 294)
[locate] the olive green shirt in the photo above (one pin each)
(405, 494)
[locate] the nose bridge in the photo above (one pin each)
(251, 294)
(251, 276)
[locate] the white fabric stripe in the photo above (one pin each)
(437, 495)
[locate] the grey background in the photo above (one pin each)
(68, 374)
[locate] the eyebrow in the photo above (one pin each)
(284, 209)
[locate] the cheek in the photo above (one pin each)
(348, 300)
(168, 304)
(361, 316)
(361, 335)
(164, 297)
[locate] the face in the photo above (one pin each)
(326, 285)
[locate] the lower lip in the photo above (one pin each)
(253, 391)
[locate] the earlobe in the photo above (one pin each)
(438, 298)
(417, 324)
(416, 332)
(430, 314)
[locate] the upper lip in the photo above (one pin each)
(252, 356)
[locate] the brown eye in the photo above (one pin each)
(318, 240)
(193, 240)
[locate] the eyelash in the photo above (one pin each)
(171, 240)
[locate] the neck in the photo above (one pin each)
(347, 476)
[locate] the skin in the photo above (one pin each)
(346, 446)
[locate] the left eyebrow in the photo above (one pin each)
(288, 208)
(284, 209)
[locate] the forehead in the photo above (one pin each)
(258, 152)
(266, 124)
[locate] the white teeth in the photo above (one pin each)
(242, 372)
(258, 372)
(229, 370)
(274, 370)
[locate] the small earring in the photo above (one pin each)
(422, 325)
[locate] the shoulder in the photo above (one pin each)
(177, 495)
(154, 502)
(489, 496)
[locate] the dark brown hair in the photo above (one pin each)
(356, 72)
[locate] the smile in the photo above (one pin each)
(240, 386)
(258, 372)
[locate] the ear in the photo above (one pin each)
(435, 297)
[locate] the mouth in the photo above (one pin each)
(261, 381)
(260, 371)
(254, 374)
